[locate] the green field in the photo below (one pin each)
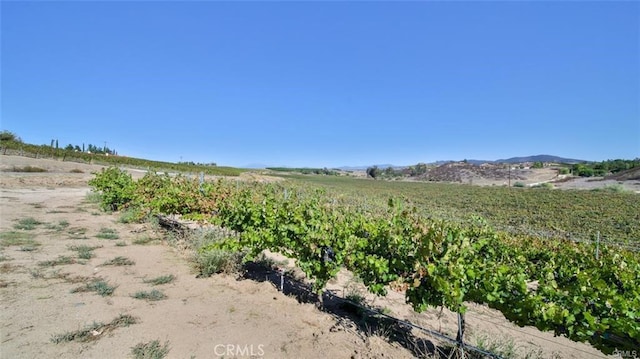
(576, 214)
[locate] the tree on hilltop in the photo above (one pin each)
(373, 172)
(9, 136)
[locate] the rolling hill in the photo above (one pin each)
(540, 158)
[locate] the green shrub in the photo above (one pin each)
(132, 215)
(115, 185)
(209, 237)
(9, 136)
(93, 197)
(210, 258)
(519, 184)
(213, 261)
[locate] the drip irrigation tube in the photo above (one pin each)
(401, 321)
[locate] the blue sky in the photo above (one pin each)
(325, 83)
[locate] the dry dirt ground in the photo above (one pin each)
(598, 182)
(220, 316)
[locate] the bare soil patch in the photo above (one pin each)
(591, 183)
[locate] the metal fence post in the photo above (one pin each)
(459, 337)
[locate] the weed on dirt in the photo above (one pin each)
(94, 331)
(67, 277)
(77, 233)
(119, 261)
(164, 279)
(218, 261)
(25, 169)
(61, 260)
(8, 268)
(152, 295)
(27, 224)
(107, 233)
(150, 350)
(99, 286)
(12, 238)
(60, 226)
(144, 240)
(130, 215)
(84, 251)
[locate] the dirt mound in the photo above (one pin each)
(628, 175)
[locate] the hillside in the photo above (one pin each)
(512, 160)
(10, 144)
(628, 175)
(540, 158)
(470, 173)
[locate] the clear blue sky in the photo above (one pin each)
(325, 83)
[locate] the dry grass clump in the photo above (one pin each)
(164, 279)
(107, 233)
(84, 251)
(32, 169)
(12, 238)
(61, 260)
(150, 350)
(94, 331)
(152, 295)
(119, 261)
(27, 224)
(99, 286)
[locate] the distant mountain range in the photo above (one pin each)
(363, 168)
(540, 158)
(256, 166)
(536, 158)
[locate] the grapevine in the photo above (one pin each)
(435, 262)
